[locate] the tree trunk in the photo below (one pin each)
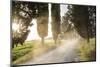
(88, 40)
(88, 37)
(55, 41)
(42, 40)
(12, 45)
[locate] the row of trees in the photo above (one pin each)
(24, 12)
(83, 18)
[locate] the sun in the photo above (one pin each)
(15, 26)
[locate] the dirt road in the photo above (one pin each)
(63, 53)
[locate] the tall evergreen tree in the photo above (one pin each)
(42, 21)
(55, 13)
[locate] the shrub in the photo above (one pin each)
(87, 51)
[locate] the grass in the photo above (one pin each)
(20, 51)
(24, 58)
(87, 51)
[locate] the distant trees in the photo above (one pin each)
(83, 18)
(55, 13)
(66, 25)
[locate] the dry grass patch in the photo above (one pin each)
(87, 51)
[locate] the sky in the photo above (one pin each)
(33, 29)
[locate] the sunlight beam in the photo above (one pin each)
(15, 26)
